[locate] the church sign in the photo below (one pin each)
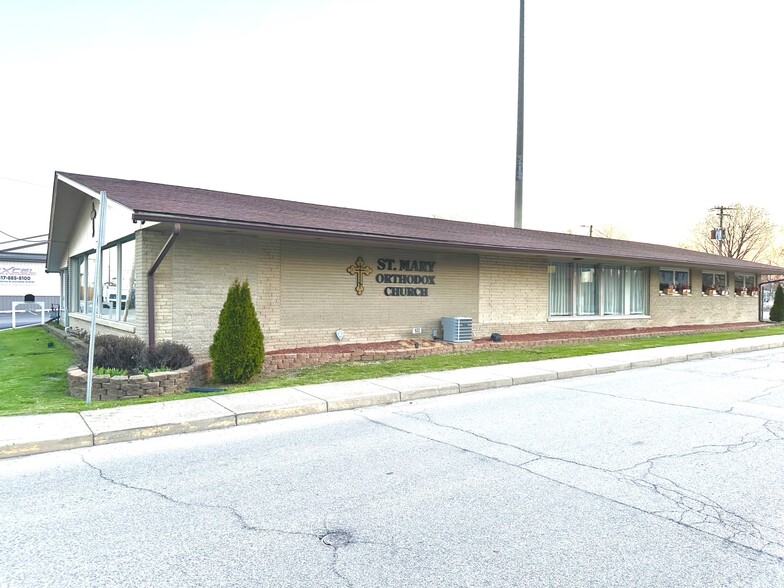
(406, 277)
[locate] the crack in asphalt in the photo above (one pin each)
(689, 509)
(765, 392)
(633, 399)
(771, 425)
(246, 526)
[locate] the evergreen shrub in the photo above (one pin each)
(237, 349)
(777, 310)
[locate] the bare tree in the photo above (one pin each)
(610, 232)
(607, 231)
(748, 233)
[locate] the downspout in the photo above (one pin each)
(151, 284)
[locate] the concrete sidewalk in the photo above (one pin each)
(29, 434)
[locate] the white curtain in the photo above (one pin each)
(613, 289)
(638, 290)
(560, 289)
(586, 290)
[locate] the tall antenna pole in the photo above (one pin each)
(518, 214)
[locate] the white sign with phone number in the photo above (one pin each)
(17, 275)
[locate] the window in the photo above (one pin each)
(745, 284)
(638, 290)
(560, 289)
(585, 289)
(116, 292)
(613, 293)
(714, 283)
(673, 280)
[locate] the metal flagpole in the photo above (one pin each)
(518, 210)
(97, 299)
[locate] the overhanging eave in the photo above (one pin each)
(716, 263)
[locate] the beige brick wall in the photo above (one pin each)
(303, 293)
(512, 290)
(318, 295)
(698, 309)
(199, 270)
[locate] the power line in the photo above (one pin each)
(21, 181)
(27, 239)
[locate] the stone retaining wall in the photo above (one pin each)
(287, 361)
(154, 384)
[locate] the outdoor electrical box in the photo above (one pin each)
(457, 329)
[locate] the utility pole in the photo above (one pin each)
(590, 229)
(719, 235)
(518, 213)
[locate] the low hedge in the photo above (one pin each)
(132, 355)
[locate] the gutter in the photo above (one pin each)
(141, 216)
(151, 284)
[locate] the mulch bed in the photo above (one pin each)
(533, 338)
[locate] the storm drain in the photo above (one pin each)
(336, 538)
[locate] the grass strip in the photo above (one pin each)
(33, 380)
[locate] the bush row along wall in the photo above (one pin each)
(155, 384)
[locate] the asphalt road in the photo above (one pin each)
(643, 478)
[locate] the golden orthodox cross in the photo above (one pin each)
(359, 269)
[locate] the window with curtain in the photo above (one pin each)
(613, 290)
(638, 290)
(585, 289)
(560, 296)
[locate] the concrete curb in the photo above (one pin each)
(31, 434)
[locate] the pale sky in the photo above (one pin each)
(641, 115)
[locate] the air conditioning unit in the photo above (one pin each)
(457, 329)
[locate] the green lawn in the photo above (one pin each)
(33, 381)
(32, 374)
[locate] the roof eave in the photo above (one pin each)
(151, 216)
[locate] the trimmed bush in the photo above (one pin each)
(777, 310)
(131, 355)
(237, 349)
(122, 353)
(170, 355)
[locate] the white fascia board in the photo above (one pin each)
(90, 192)
(61, 178)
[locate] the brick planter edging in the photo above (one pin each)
(154, 384)
(286, 361)
(274, 362)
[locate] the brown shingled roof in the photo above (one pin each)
(165, 203)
